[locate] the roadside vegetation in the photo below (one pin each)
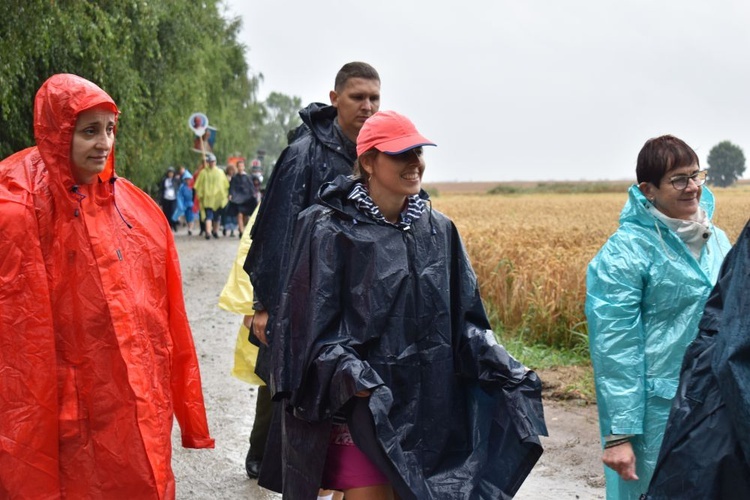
(160, 62)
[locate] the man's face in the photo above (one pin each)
(359, 100)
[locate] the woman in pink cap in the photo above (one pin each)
(396, 386)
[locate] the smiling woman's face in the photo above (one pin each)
(397, 175)
(675, 203)
(92, 143)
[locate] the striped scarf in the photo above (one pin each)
(361, 198)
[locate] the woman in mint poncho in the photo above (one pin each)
(646, 289)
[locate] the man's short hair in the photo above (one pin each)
(354, 69)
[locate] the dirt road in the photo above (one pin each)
(569, 468)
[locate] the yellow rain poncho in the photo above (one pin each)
(237, 297)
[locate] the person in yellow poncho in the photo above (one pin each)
(237, 297)
(212, 191)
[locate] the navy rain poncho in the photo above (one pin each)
(706, 447)
(314, 156)
(398, 312)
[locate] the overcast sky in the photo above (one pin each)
(522, 89)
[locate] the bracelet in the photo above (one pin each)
(616, 442)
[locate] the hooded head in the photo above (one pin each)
(59, 102)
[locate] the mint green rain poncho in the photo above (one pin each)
(645, 295)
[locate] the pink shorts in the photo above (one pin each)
(346, 466)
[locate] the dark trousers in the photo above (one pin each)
(261, 423)
(168, 207)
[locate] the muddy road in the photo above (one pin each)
(569, 468)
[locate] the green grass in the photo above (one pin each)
(542, 357)
(570, 367)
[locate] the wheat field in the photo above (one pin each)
(530, 253)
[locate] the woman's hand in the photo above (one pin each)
(260, 319)
(621, 459)
(247, 322)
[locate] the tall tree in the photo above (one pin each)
(280, 116)
(726, 164)
(160, 61)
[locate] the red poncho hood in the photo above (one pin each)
(55, 111)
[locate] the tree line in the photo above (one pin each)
(160, 62)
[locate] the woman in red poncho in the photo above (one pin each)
(96, 354)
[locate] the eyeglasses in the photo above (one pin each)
(680, 182)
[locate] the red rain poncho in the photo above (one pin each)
(96, 354)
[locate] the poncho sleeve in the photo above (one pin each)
(187, 395)
(28, 377)
(729, 309)
(480, 358)
(285, 196)
(315, 361)
(198, 185)
(614, 285)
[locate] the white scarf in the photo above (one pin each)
(694, 232)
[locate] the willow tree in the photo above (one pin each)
(280, 116)
(160, 61)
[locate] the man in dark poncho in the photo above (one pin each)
(706, 449)
(323, 147)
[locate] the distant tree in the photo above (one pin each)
(280, 115)
(726, 164)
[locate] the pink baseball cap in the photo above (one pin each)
(389, 133)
